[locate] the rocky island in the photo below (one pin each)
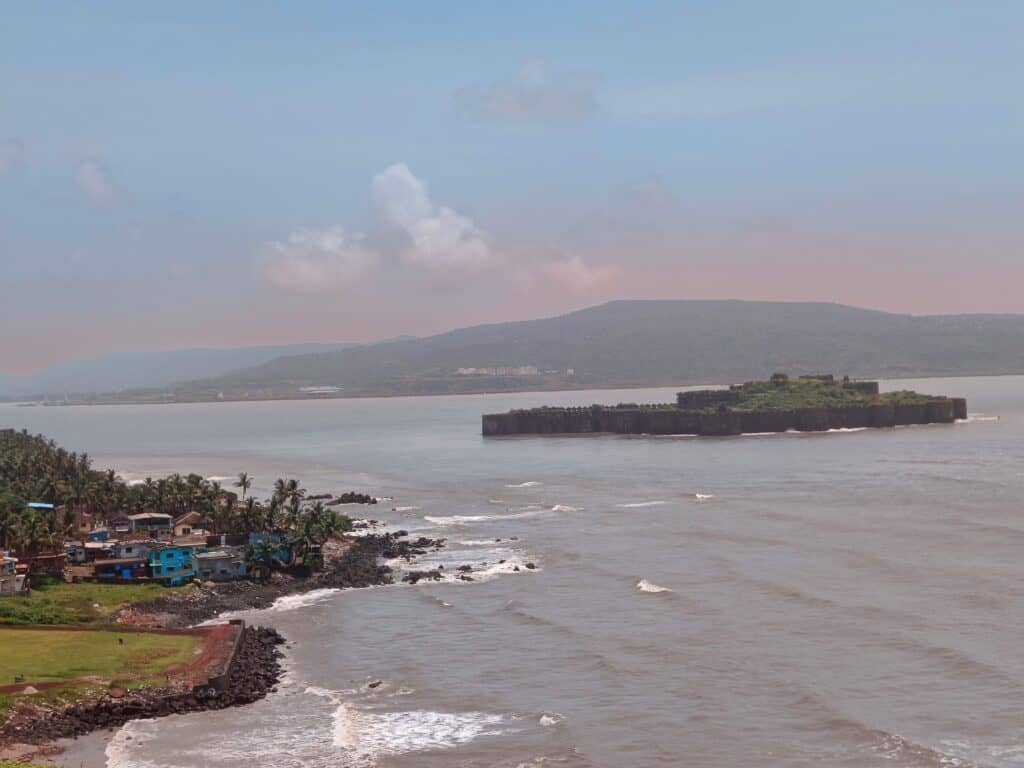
(779, 404)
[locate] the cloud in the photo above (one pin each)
(12, 151)
(578, 277)
(93, 182)
(439, 238)
(534, 94)
(318, 261)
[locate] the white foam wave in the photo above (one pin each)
(458, 519)
(406, 509)
(527, 484)
(368, 736)
(972, 417)
(649, 586)
(447, 520)
(130, 739)
(486, 566)
(219, 478)
(703, 496)
(291, 602)
(565, 508)
(475, 542)
(551, 718)
(384, 498)
(638, 504)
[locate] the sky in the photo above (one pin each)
(198, 174)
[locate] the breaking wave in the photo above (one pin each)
(565, 508)
(301, 600)
(368, 736)
(638, 504)
(649, 586)
(527, 484)
(703, 496)
(406, 509)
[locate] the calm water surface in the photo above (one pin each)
(849, 599)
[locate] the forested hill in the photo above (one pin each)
(646, 343)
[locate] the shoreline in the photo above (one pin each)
(388, 395)
(77, 736)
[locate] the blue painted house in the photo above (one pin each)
(271, 549)
(100, 534)
(171, 565)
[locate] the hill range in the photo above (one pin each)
(628, 343)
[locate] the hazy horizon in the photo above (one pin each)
(183, 177)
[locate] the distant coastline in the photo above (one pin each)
(494, 391)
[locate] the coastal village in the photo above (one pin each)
(104, 586)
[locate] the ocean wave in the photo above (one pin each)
(649, 586)
(551, 718)
(459, 519)
(486, 566)
(638, 504)
(703, 496)
(405, 509)
(565, 508)
(447, 520)
(527, 484)
(368, 736)
(130, 739)
(301, 600)
(219, 478)
(973, 417)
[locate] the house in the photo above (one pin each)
(189, 524)
(10, 581)
(137, 548)
(171, 565)
(100, 534)
(271, 549)
(49, 564)
(151, 522)
(224, 564)
(121, 569)
(119, 524)
(88, 552)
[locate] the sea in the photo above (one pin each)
(851, 598)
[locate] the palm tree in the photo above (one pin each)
(244, 482)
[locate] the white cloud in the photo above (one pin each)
(438, 238)
(536, 93)
(578, 277)
(318, 261)
(11, 153)
(93, 182)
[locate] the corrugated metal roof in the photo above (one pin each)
(39, 505)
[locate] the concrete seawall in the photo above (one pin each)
(677, 421)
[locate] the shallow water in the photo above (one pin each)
(844, 599)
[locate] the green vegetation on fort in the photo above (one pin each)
(779, 393)
(782, 393)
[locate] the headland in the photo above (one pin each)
(780, 404)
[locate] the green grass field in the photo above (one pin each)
(58, 602)
(46, 656)
(87, 662)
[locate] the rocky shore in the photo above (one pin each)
(357, 565)
(254, 672)
(256, 667)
